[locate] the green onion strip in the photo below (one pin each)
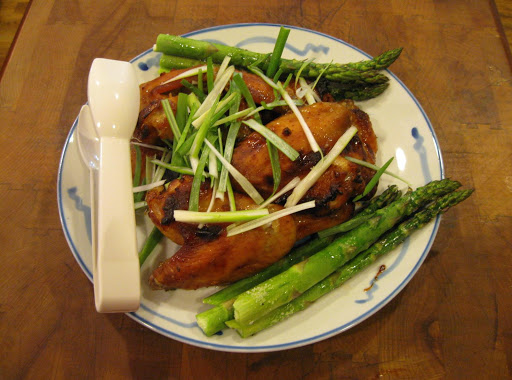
(244, 182)
(188, 123)
(171, 119)
(222, 68)
(274, 139)
(239, 82)
(235, 116)
(209, 74)
(229, 146)
(220, 109)
(289, 186)
(374, 180)
(270, 218)
(289, 101)
(275, 58)
(274, 164)
(272, 151)
(200, 85)
(214, 94)
(193, 203)
(178, 169)
(320, 167)
(200, 137)
(218, 216)
(138, 166)
(376, 168)
(186, 74)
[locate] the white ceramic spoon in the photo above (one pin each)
(114, 100)
(89, 147)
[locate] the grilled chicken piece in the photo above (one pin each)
(162, 203)
(327, 121)
(307, 223)
(207, 256)
(152, 124)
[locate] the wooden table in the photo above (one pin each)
(453, 320)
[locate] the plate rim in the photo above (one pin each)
(296, 343)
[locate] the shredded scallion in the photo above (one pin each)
(374, 180)
(277, 141)
(289, 186)
(244, 183)
(150, 146)
(376, 168)
(214, 93)
(218, 216)
(270, 218)
(149, 186)
(315, 173)
(186, 74)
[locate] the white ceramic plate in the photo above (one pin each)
(403, 131)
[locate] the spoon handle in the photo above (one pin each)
(93, 186)
(117, 260)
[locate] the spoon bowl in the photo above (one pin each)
(114, 97)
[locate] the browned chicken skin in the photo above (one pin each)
(327, 121)
(208, 257)
(152, 124)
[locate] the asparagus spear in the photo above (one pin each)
(384, 245)
(349, 87)
(340, 90)
(200, 50)
(303, 251)
(344, 77)
(213, 320)
(389, 195)
(171, 62)
(277, 291)
(361, 93)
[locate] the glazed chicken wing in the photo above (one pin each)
(207, 256)
(327, 122)
(152, 124)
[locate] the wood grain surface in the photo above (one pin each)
(452, 321)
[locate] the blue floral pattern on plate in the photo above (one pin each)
(172, 314)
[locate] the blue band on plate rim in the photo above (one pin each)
(262, 348)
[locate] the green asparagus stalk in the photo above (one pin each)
(305, 250)
(295, 256)
(349, 87)
(200, 50)
(349, 78)
(389, 195)
(362, 93)
(213, 320)
(340, 90)
(384, 245)
(172, 62)
(279, 290)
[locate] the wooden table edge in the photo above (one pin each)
(14, 40)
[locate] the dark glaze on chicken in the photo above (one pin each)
(207, 256)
